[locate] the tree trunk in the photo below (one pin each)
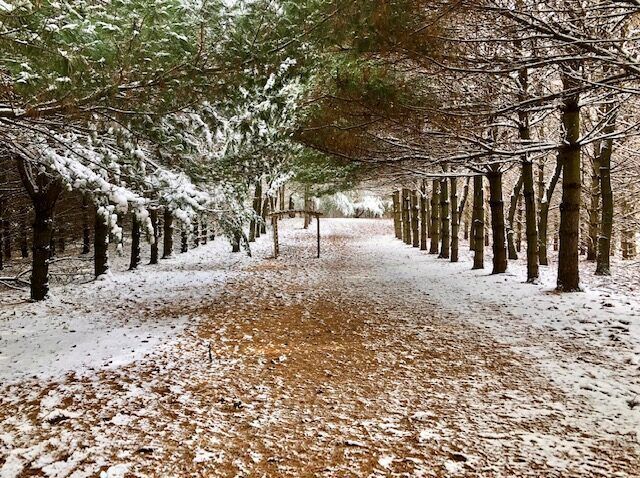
(397, 215)
(42, 232)
(265, 211)
(603, 265)
(100, 242)
(569, 157)
(196, 232)
(86, 229)
(463, 202)
(254, 231)
(543, 221)
(406, 223)
(61, 240)
(423, 216)
(44, 194)
(167, 243)
(24, 242)
(519, 228)
(496, 204)
(415, 212)
(235, 244)
(455, 223)
(7, 239)
(594, 207)
(513, 255)
(153, 215)
(2, 206)
(435, 217)
(184, 240)
(52, 243)
(478, 222)
(307, 217)
(204, 229)
(530, 220)
(257, 208)
(135, 242)
(444, 220)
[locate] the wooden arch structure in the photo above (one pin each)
(291, 213)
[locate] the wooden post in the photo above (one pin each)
(318, 219)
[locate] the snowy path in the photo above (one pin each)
(372, 361)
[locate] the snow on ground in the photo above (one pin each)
(375, 360)
(112, 321)
(589, 341)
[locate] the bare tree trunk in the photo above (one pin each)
(257, 208)
(569, 157)
(519, 228)
(397, 216)
(235, 244)
(603, 265)
(265, 212)
(44, 193)
(423, 216)
(513, 255)
(415, 212)
(478, 222)
(455, 223)
(196, 232)
(435, 217)
(184, 240)
(7, 239)
(406, 224)
(61, 240)
(24, 242)
(594, 206)
(153, 215)
(463, 202)
(86, 229)
(530, 219)
(543, 221)
(100, 243)
(444, 220)
(134, 262)
(307, 217)
(496, 204)
(167, 243)
(52, 242)
(2, 212)
(204, 228)
(253, 230)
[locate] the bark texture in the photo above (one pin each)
(569, 157)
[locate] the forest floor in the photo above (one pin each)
(375, 360)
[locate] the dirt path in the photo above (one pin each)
(305, 367)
